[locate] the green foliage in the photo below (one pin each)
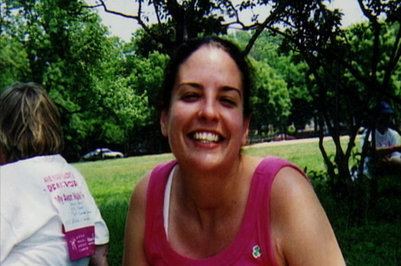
(143, 43)
(368, 231)
(372, 244)
(361, 45)
(13, 61)
(145, 74)
(291, 129)
(119, 108)
(267, 51)
(270, 98)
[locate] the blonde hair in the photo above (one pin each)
(29, 123)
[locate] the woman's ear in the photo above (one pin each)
(163, 123)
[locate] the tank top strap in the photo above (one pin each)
(154, 203)
(260, 196)
(267, 170)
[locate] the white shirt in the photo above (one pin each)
(32, 216)
(388, 139)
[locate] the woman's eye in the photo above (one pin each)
(190, 97)
(228, 102)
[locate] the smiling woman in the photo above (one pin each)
(204, 124)
(213, 205)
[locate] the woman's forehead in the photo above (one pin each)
(210, 63)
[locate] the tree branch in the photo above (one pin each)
(137, 18)
(273, 15)
(102, 4)
(376, 27)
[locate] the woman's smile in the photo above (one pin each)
(206, 137)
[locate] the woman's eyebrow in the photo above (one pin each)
(229, 89)
(190, 84)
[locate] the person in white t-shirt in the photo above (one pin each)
(47, 214)
(386, 156)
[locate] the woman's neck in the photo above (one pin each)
(214, 192)
(207, 189)
(207, 210)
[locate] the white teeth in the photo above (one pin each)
(206, 137)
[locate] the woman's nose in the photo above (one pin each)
(208, 109)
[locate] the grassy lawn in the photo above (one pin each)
(112, 181)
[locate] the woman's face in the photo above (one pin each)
(205, 124)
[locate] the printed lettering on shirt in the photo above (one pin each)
(68, 197)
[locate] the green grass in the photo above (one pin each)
(111, 179)
(305, 155)
(372, 243)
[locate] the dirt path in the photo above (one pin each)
(293, 141)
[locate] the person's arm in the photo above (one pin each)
(100, 256)
(384, 151)
(134, 253)
(301, 231)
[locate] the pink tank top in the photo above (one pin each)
(251, 246)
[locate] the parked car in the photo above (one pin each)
(102, 153)
(282, 136)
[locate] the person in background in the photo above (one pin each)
(384, 150)
(214, 205)
(48, 216)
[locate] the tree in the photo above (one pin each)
(271, 101)
(267, 49)
(144, 75)
(176, 21)
(345, 83)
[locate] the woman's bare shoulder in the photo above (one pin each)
(140, 190)
(301, 231)
(135, 225)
